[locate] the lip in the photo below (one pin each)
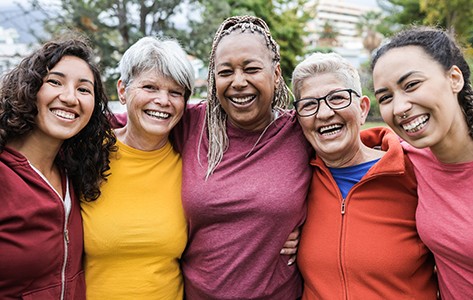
(241, 100)
(64, 113)
(330, 131)
(415, 124)
(157, 114)
(328, 127)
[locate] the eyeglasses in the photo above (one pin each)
(335, 100)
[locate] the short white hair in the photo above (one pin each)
(165, 56)
(323, 63)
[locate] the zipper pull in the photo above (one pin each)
(343, 206)
(66, 235)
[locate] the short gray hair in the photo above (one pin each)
(165, 56)
(323, 63)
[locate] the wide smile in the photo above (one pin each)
(330, 129)
(416, 124)
(157, 114)
(64, 114)
(242, 101)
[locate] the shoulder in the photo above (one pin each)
(419, 156)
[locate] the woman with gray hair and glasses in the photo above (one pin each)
(359, 240)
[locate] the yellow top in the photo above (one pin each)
(135, 233)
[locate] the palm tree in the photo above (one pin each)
(367, 27)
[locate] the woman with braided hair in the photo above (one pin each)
(245, 172)
(421, 81)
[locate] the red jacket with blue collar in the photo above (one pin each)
(366, 246)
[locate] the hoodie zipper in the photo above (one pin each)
(66, 239)
(65, 230)
(341, 245)
(343, 205)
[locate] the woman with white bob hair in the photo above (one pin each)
(135, 232)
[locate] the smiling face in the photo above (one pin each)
(65, 100)
(245, 79)
(334, 134)
(155, 104)
(407, 80)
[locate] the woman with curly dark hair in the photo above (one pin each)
(55, 140)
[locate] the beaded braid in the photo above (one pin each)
(216, 117)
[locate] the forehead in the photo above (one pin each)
(398, 61)
(154, 76)
(321, 84)
(238, 44)
(70, 64)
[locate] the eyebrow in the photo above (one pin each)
(64, 76)
(398, 82)
(245, 62)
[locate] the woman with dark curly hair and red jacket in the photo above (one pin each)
(55, 141)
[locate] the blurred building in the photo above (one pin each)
(341, 17)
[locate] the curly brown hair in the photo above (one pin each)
(85, 156)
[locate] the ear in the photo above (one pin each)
(121, 91)
(456, 78)
(365, 105)
(277, 74)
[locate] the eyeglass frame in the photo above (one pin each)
(324, 98)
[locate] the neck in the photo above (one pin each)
(456, 146)
(140, 141)
(41, 153)
(361, 155)
(451, 152)
(257, 127)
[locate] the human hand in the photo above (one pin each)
(290, 246)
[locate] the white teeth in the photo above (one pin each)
(416, 124)
(63, 114)
(331, 129)
(158, 114)
(242, 100)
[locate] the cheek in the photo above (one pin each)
(220, 85)
(89, 106)
(308, 128)
(180, 110)
(385, 112)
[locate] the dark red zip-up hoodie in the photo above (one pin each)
(40, 255)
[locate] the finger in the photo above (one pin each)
(288, 251)
(291, 260)
(293, 235)
(291, 244)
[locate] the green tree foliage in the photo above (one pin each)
(453, 15)
(328, 36)
(111, 25)
(399, 13)
(285, 18)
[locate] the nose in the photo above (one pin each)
(401, 104)
(239, 80)
(161, 97)
(325, 111)
(68, 95)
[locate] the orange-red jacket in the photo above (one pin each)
(371, 250)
